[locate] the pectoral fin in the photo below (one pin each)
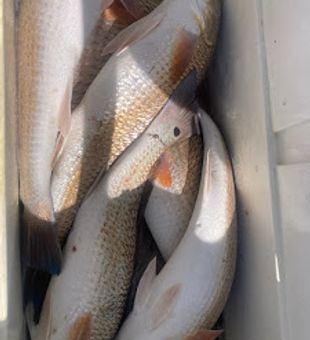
(162, 172)
(132, 34)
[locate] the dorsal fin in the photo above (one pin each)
(205, 334)
(163, 308)
(145, 283)
(133, 33)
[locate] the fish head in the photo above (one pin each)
(173, 124)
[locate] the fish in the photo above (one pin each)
(35, 288)
(86, 300)
(51, 38)
(173, 196)
(186, 298)
(116, 17)
(151, 57)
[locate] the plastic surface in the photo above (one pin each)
(259, 94)
(11, 321)
(258, 89)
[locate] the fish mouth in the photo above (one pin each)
(156, 136)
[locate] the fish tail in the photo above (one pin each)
(41, 248)
(34, 291)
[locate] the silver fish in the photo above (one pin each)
(175, 188)
(153, 56)
(191, 290)
(86, 300)
(51, 39)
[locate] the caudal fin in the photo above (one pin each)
(35, 288)
(41, 248)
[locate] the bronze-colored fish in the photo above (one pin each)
(153, 56)
(86, 300)
(119, 15)
(175, 188)
(191, 290)
(52, 36)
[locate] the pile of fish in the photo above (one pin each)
(111, 133)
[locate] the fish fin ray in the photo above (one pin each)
(162, 176)
(145, 283)
(205, 334)
(132, 34)
(42, 248)
(163, 308)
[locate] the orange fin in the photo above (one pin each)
(205, 335)
(132, 34)
(163, 308)
(117, 12)
(182, 54)
(81, 328)
(162, 172)
(145, 283)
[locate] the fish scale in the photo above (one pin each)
(89, 294)
(139, 83)
(201, 269)
(170, 206)
(92, 59)
(45, 69)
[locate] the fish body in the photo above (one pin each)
(172, 199)
(113, 19)
(191, 290)
(153, 56)
(86, 300)
(51, 38)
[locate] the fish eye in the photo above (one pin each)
(176, 131)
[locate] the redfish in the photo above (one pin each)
(186, 298)
(86, 300)
(151, 57)
(52, 36)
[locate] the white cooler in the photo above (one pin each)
(258, 90)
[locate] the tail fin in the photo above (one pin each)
(41, 246)
(35, 288)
